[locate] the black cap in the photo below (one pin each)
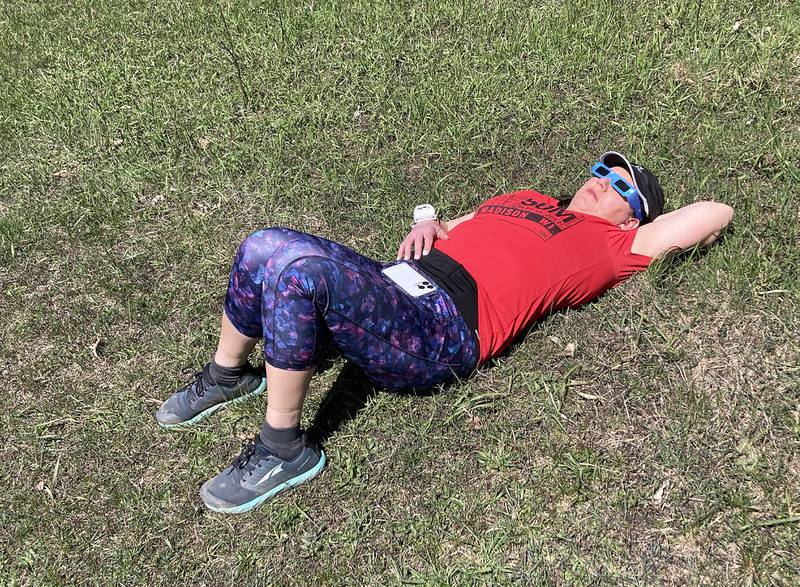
(643, 180)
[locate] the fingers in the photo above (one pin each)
(404, 252)
(404, 249)
(418, 240)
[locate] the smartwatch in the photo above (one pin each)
(422, 213)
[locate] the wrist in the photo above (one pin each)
(427, 221)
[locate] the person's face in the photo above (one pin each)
(598, 198)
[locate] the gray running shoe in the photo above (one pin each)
(203, 397)
(257, 475)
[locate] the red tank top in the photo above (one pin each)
(530, 257)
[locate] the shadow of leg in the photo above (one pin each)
(347, 396)
(327, 359)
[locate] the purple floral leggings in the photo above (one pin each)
(300, 292)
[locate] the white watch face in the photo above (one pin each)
(424, 212)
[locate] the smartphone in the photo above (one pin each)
(410, 280)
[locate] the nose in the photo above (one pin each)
(605, 183)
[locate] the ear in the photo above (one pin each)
(630, 224)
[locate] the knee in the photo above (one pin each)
(302, 252)
(259, 247)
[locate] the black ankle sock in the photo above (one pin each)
(228, 376)
(287, 443)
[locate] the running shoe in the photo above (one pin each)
(257, 475)
(201, 398)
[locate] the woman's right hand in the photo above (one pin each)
(421, 239)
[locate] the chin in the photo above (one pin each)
(583, 200)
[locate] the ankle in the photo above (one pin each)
(286, 443)
(227, 361)
(224, 375)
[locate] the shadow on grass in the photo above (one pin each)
(352, 390)
(349, 394)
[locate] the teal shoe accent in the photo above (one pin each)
(210, 410)
(246, 507)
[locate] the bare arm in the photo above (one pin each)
(451, 224)
(696, 224)
(422, 236)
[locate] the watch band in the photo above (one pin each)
(413, 224)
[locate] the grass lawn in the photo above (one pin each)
(140, 142)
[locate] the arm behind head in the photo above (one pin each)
(696, 224)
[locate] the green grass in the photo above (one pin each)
(139, 143)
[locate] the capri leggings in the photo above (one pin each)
(301, 292)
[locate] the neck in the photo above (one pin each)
(575, 207)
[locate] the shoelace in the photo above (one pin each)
(248, 450)
(198, 388)
(245, 458)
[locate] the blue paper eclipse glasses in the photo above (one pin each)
(622, 187)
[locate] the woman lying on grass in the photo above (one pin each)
(475, 282)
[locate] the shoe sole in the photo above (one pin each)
(246, 507)
(208, 411)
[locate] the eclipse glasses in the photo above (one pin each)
(622, 187)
